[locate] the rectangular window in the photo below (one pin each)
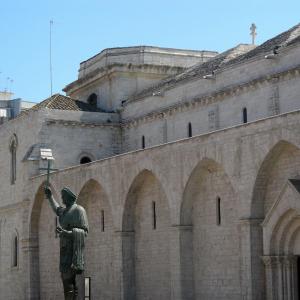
(102, 221)
(190, 130)
(218, 211)
(154, 215)
(87, 288)
(15, 251)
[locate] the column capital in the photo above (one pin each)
(182, 227)
(251, 221)
(290, 260)
(123, 233)
(270, 260)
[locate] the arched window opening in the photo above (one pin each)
(85, 160)
(218, 211)
(92, 100)
(15, 251)
(245, 116)
(13, 159)
(143, 142)
(190, 130)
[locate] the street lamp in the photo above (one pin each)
(46, 154)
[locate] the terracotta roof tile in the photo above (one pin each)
(61, 102)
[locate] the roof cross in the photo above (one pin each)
(253, 33)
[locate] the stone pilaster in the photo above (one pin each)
(291, 281)
(124, 268)
(182, 280)
(271, 277)
(252, 270)
(30, 250)
(281, 276)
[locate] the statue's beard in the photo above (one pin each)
(69, 203)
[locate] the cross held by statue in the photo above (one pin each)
(46, 154)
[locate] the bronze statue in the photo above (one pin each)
(72, 231)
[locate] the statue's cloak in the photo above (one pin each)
(71, 247)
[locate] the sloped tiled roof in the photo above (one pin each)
(61, 102)
(241, 53)
(199, 69)
(286, 38)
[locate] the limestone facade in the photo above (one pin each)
(208, 210)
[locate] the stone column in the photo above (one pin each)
(271, 269)
(30, 250)
(281, 278)
(251, 266)
(181, 257)
(291, 284)
(124, 265)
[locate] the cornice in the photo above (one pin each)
(81, 124)
(99, 73)
(213, 97)
(183, 80)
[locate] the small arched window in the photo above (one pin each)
(13, 158)
(190, 130)
(92, 99)
(15, 250)
(143, 142)
(85, 160)
(245, 116)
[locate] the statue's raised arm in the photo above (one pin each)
(54, 205)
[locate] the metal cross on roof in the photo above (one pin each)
(253, 33)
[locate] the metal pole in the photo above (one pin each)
(48, 173)
(51, 23)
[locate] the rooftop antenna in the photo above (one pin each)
(253, 33)
(10, 86)
(6, 84)
(50, 53)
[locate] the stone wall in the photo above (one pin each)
(226, 164)
(265, 87)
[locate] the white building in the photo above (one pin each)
(10, 108)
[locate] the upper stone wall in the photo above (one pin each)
(144, 55)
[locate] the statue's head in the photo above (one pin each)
(67, 196)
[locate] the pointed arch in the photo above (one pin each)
(99, 260)
(200, 220)
(203, 168)
(146, 246)
(262, 178)
(280, 164)
(34, 246)
(36, 210)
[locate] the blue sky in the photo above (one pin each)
(83, 28)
